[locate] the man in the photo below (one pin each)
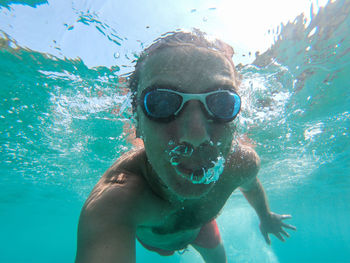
(168, 193)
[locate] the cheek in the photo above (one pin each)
(156, 138)
(224, 134)
(154, 134)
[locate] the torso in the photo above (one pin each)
(173, 226)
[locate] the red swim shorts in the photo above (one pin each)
(208, 237)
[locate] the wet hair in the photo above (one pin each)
(195, 38)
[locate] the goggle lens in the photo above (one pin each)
(161, 104)
(224, 105)
(164, 105)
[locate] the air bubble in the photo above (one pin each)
(213, 173)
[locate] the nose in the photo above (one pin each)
(194, 125)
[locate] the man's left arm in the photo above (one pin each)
(269, 221)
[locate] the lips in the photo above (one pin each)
(192, 165)
(201, 174)
(197, 165)
(183, 169)
(195, 174)
(189, 174)
(198, 169)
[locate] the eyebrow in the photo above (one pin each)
(224, 86)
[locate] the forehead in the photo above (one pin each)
(187, 68)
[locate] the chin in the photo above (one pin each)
(185, 189)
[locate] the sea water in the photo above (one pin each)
(62, 124)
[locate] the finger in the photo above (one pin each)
(289, 226)
(279, 236)
(286, 217)
(285, 233)
(266, 237)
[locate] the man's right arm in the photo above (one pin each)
(107, 224)
(100, 241)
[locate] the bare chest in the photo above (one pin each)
(179, 228)
(176, 230)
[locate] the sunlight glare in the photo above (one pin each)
(252, 25)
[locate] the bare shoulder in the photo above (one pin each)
(117, 204)
(244, 161)
(122, 193)
(248, 158)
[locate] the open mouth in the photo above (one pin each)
(189, 171)
(202, 175)
(194, 176)
(199, 166)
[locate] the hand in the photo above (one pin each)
(273, 224)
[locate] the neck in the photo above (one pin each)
(160, 189)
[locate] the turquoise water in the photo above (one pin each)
(64, 123)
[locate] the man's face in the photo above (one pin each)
(183, 150)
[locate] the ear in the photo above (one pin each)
(137, 126)
(138, 133)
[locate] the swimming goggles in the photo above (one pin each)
(164, 105)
